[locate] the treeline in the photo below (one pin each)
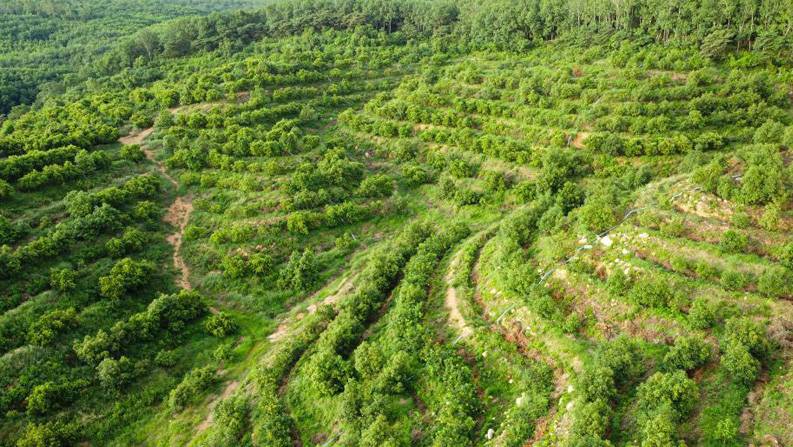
(45, 41)
(717, 28)
(232, 31)
(764, 25)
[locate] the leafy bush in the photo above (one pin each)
(378, 185)
(131, 241)
(113, 374)
(301, 271)
(770, 132)
(673, 390)
(48, 434)
(772, 215)
(739, 363)
(63, 279)
(735, 280)
(775, 282)
(45, 330)
(5, 189)
(132, 152)
(687, 353)
(193, 384)
(220, 324)
(733, 242)
(126, 275)
(652, 292)
(702, 314)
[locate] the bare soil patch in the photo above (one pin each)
(178, 215)
(283, 327)
(451, 302)
(578, 141)
(136, 138)
(210, 418)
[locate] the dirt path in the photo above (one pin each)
(178, 213)
(136, 138)
(283, 327)
(578, 141)
(210, 418)
(451, 302)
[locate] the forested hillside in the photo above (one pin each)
(46, 42)
(392, 223)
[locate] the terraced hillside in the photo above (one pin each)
(360, 236)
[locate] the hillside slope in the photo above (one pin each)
(370, 237)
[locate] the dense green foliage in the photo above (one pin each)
(45, 44)
(386, 223)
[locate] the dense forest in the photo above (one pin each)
(396, 223)
(47, 43)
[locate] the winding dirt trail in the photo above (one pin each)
(178, 213)
(578, 141)
(283, 328)
(136, 138)
(451, 301)
(210, 417)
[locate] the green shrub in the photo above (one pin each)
(771, 217)
(741, 220)
(652, 292)
(770, 132)
(590, 423)
(230, 421)
(114, 374)
(598, 214)
(702, 314)
(687, 353)
(733, 242)
(775, 282)
(328, 372)
(49, 396)
(46, 330)
(48, 434)
(785, 255)
(596, 384)
(63, 279)
(193, 384)
(5, 189)
(126, 275)
(378, 185)
(466, 196)
(260, 264)
(733, 280)
(675, 227)
(234, 266)
(132, 152)
(707, 271)
(749, 333)
(165, 358)
(416, 175)
(220, 325)
(570, 196)
(301, 271)
(739, 363)
(673, 390)
(132, 240)
(618, 283)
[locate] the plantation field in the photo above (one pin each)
(355, 224)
